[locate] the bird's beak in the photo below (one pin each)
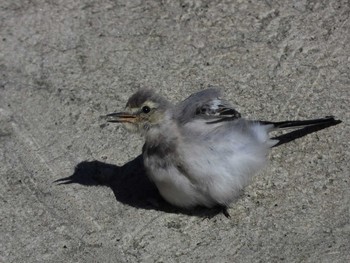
(121, 117)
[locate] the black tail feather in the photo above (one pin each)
(328, 120)
(306, 127)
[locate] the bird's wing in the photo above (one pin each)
(205, 104)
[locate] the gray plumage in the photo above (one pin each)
(199, 151)
(143, 95)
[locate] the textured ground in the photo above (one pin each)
(64, 63)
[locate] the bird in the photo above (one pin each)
(201, 151)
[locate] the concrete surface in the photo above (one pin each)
(64, 63)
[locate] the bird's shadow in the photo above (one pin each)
(130, 186)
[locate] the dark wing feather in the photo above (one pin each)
(205, 104)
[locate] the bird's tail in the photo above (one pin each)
(326, 121)
(302, 128)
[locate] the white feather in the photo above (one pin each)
(217, 162)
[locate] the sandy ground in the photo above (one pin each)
(65, 63)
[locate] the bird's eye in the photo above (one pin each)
(146, 109)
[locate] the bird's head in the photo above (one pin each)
(144, 110)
